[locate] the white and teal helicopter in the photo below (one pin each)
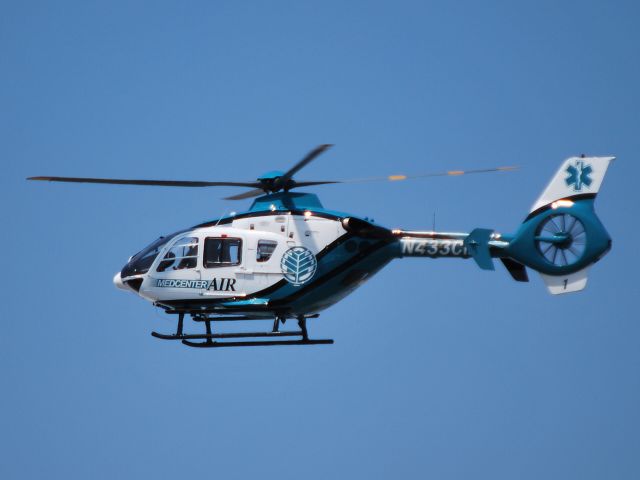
(288, 257)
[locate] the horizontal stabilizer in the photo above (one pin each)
(477, 244)
(573, 282)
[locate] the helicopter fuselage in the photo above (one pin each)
(286, 256)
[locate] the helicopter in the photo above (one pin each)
(287, 257)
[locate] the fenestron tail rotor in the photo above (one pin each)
(270, 182)
(561, 239)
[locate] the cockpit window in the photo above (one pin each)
(222, 252)
(183, 254)
(265, 250)
(142, 261)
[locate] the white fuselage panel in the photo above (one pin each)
(243, 269)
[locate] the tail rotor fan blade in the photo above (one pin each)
(568, 249)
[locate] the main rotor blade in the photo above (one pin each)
(259, 191)
(160, 183)
(452, 173)
(249, 194)
(308, 158)
(308, 184)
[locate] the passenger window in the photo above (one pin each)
(222, 252)
(265, 250)
(183, 254)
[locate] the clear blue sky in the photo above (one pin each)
(439, 369)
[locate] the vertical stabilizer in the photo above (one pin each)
(577, 176)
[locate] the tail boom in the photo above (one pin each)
(561, 238)
(451, 245)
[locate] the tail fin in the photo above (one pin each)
(577, 177)
(562, 236)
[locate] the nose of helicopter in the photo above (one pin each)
(117, 281)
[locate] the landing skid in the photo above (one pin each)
(268, 343)
(213, 340)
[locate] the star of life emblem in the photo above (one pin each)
(579, 175)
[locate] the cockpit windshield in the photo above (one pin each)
(142, 261)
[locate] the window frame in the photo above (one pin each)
(134, 266)
(221, 265)
(168, 248)
(265, 241)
